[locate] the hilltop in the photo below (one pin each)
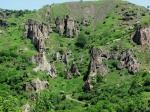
(76, 56)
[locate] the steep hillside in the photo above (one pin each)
(76, 56)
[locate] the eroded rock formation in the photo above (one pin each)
(128, 60)
(142, 35)
(85, 22)
(26, 108)
(74, 70)
(96, 67)
(67, 26)
(87, 86)
(43, 64)
(36, 85)
(36, 31)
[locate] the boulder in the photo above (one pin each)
(142, 35)
(36, 85)
(128, 60)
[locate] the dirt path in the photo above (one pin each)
(69, 97)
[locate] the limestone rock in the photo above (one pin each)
(68, 74)
(37, 85)
(128, 60)
(87, 86)
(71, 27)
(26, 108)
(74, 70)
(3, 23)
(62, 57)
(85, 22)
(67, 26)
(96, 67)
(142, 35)
(43, 64)
(36, 31)
(60, 26)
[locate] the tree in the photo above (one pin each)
(81, 41)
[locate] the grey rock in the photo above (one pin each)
(37, 85)
(74, 70)
(142, 35)
(128, 60)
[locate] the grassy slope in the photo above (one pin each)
(11, 42)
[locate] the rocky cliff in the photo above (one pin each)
(36, 85)
(36, 31)
(128, 60)
(96, 67)
(67, 26)
(142, 35)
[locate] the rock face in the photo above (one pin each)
(3, 23)
(85, 22)
(128, 60)
(96, 67)
(60, 26)
(62, 58)
(43, 64)
(87, 86)
(67, 26)
(37, 85)
(26, 108)
(74, 70)
(68, 74)
(142, 35)
(36, 31)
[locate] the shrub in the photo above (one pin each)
(81, 41)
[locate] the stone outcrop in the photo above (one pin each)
(74, 70)
(67, 26)
(85, 22)
(36, 31)
(26, 108)
(3, 23)
(60, 26)
(96, 67)
(43, 64)
(36, 85)
(142, 35)
(128, 60)
(87, 86)
(68, 74)
(62, 58)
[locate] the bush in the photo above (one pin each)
(81, 41)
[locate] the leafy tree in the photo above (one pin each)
(81, 41)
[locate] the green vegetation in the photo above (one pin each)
(118, 91)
